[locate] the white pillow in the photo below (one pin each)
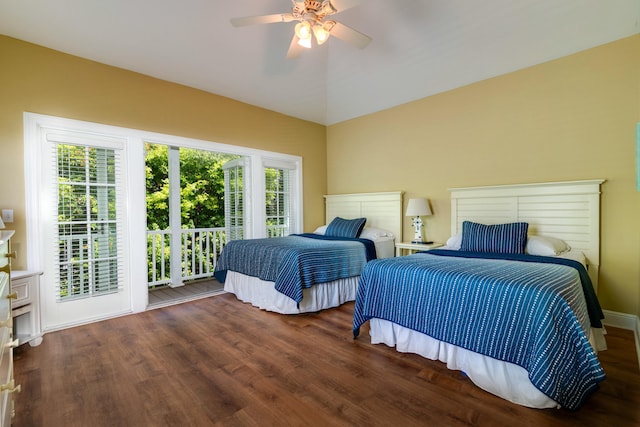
(320, 230)
(370, 233)
(454, 242)
(546, 246)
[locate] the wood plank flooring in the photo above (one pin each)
(220, 362)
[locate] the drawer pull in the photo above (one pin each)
(13, 344)
(7, 323)
(10, 387)
(13, 295)
(11, 255)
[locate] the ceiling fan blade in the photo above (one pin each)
(340, 5)
(263, 19)
(350, 35)
(294, 48)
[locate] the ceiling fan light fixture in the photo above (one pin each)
(321, 34)
(309, 17)
(303, 30)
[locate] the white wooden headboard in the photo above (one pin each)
(382, 210)
(567, 210)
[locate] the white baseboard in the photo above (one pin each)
(621, 320)
(625, 321)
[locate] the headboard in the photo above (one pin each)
(382, 210)
(567, 210)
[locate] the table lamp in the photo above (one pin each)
(417, 208)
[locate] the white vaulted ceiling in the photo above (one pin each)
(419, 48)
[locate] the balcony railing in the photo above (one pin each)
(277, 230)
(199, 254)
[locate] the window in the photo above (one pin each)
(279, 219)
(87, 216)
(282, 200)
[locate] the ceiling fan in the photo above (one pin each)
(312, 24)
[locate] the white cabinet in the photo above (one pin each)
(25, 309)
(7, 343)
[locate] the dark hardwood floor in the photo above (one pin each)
(219, 362)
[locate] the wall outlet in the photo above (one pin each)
(7, 215)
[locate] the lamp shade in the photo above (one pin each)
(321, 34)
(418, 207)
(1, 224)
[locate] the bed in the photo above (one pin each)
(525, 326)
(311, 272)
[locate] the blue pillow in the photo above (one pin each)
(341, 227)
(500, 238)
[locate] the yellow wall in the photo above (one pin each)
(39, 80)
(569, 119)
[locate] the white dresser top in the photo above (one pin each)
(5, 235)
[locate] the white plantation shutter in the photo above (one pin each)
(278, 206)
(234, 207)
(89, 214)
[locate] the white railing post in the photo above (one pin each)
(174, 217)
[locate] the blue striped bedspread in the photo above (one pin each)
(295, 262)
(528, 313)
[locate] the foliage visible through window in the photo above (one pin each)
(201, 187)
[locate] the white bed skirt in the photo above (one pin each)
(262, 294)
(504, 379)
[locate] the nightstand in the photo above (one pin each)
(25, 308)
(410, 248)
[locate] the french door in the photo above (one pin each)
(83, 220)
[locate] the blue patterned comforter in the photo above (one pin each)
(529, 313)
(296, 262)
